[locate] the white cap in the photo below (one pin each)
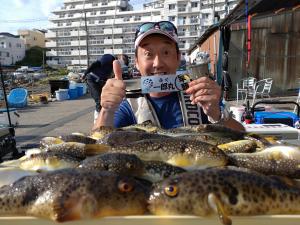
(171, 35)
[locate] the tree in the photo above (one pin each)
(33, 57)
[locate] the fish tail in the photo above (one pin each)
(96, 149)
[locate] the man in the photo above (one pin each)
(157, 53)
(96, 76)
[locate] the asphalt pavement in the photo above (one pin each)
(53, 119)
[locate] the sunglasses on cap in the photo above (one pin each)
(165, 26)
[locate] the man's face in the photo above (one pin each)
(157, 54)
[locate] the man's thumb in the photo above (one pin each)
(117, 70)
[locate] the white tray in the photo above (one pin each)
(161, 220)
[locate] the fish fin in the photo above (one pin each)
(288, 181)
(216, 204)
(96, 149)
(74, 208)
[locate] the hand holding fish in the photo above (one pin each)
(207, 93)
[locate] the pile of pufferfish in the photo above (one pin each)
(142, 169)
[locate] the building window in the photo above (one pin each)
(9, 44)
(7, 54)
(172, 18)
(172, 6)
(194, 19)
(95, 4)
(194, 4)
(72, 7)
(205, 16)
(93, 13)
(68, 24)
(181, 8)
(137, 18)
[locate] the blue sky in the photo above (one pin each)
(20, 14)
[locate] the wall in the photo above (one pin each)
(211, 45)
(275, 48)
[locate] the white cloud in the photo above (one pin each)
(18, 3)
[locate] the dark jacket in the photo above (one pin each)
(100, 70)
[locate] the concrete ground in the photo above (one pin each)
(53, 119)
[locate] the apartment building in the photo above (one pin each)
(12, 49)
(32, 37)
(110, 25)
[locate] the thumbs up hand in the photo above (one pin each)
(114, 90)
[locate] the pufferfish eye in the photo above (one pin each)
(171, 190)
(129, 166)
(125, 186)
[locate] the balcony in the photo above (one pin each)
(51, 44)
(115, 51)
(77, 53)
(78, 43)
(108, 31)
(76, 33)
(79, 62)
(108, 41)
(50, 34)
(207, 11)
(51, 53)
(118, 41)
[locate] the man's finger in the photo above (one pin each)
(117, 70)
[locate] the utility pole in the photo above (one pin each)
(213, 13)
(113, 27)
(87, 39)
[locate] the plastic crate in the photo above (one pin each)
(79, 91)
(17, 98)
(62, 94)
(73, 93)
(287, 118)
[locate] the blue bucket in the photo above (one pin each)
(79, 91)
(73, 93)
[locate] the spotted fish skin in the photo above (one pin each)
(122, 137)
(282, 160)
(158, 170)
(281, 167)
(78, 138)
(72, 194)
(239, 193)
(74, 149)
(176, 151)
(121, 163)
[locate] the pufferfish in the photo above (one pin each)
(225, 192)
(73, 194)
